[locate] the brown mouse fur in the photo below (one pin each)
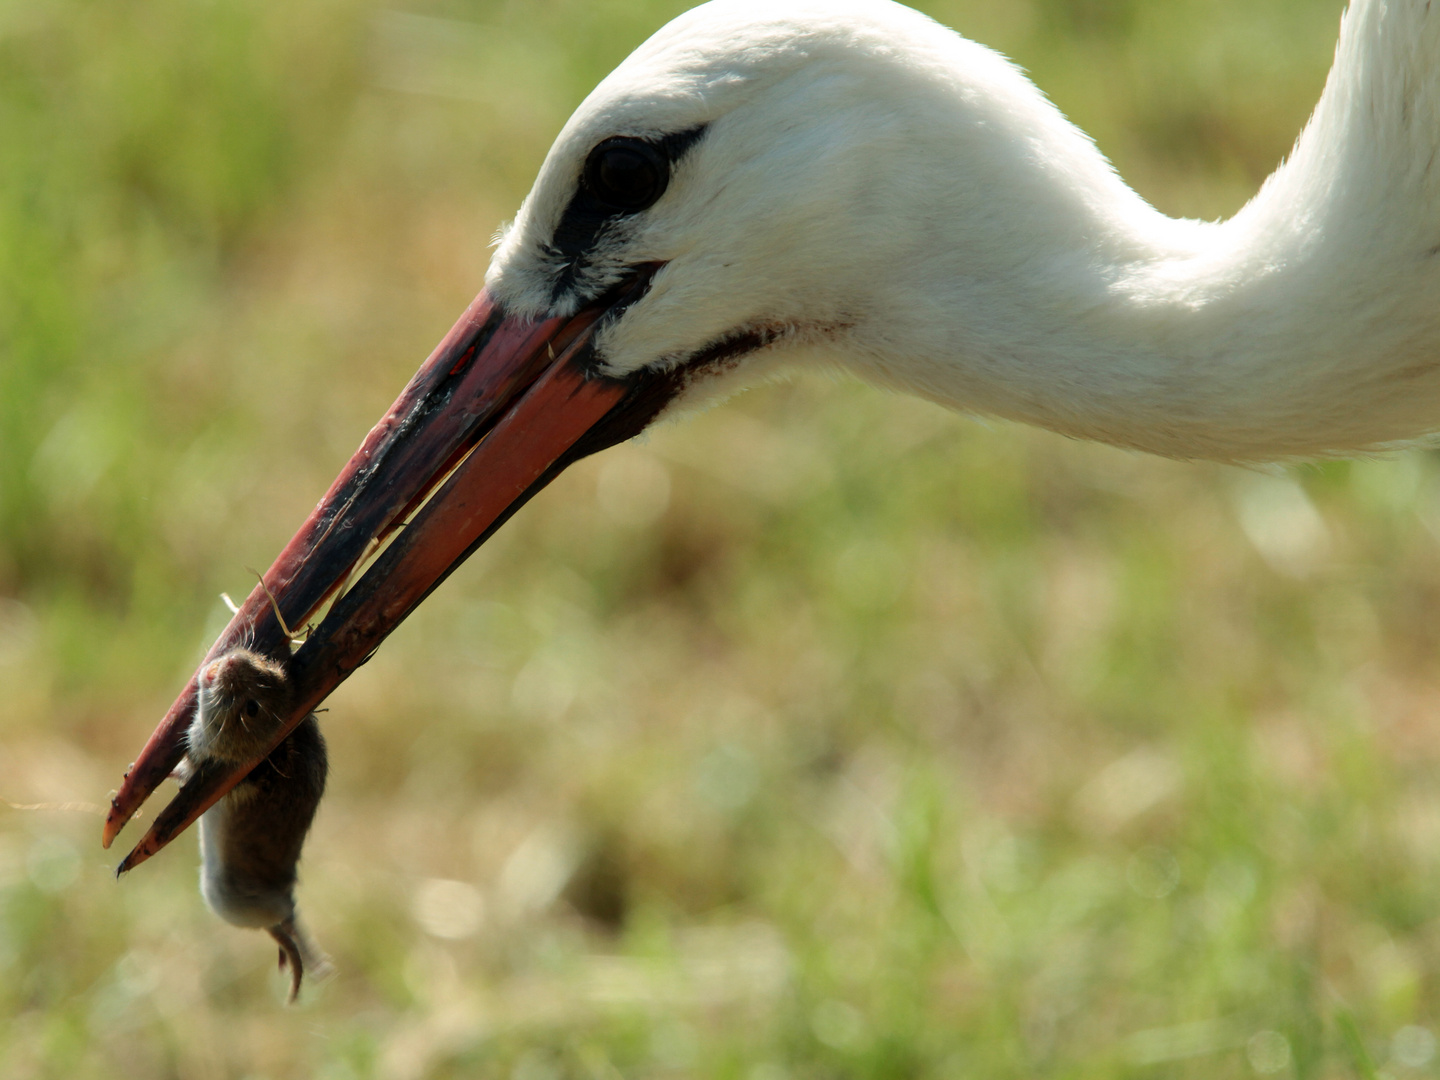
(250, 841)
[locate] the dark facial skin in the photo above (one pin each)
(250, 841)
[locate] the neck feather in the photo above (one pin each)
(1307, 325)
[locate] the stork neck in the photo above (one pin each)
(1303, 326)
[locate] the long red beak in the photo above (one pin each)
(498, 410)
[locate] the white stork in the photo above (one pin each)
(789, 183)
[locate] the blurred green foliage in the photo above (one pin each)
(823, 735)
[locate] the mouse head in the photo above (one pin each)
(241, 699)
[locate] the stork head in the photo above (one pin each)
(721, 202)
(756, 164)
(736, 162)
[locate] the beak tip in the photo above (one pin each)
(113, 824)
(115, 821)
(140, 853)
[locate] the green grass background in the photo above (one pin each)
(823, 735)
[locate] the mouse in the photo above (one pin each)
(250, 841)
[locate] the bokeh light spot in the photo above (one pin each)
(1413, 1046)
(448, 909)
(840, 1026)
(1268, 1052)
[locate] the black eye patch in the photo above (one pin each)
(623, 175)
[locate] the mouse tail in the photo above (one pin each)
(300, 954)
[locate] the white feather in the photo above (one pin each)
(882, 193)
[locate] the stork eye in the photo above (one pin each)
(628, 175)
(252, 708)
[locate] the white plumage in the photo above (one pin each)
(875, 191)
